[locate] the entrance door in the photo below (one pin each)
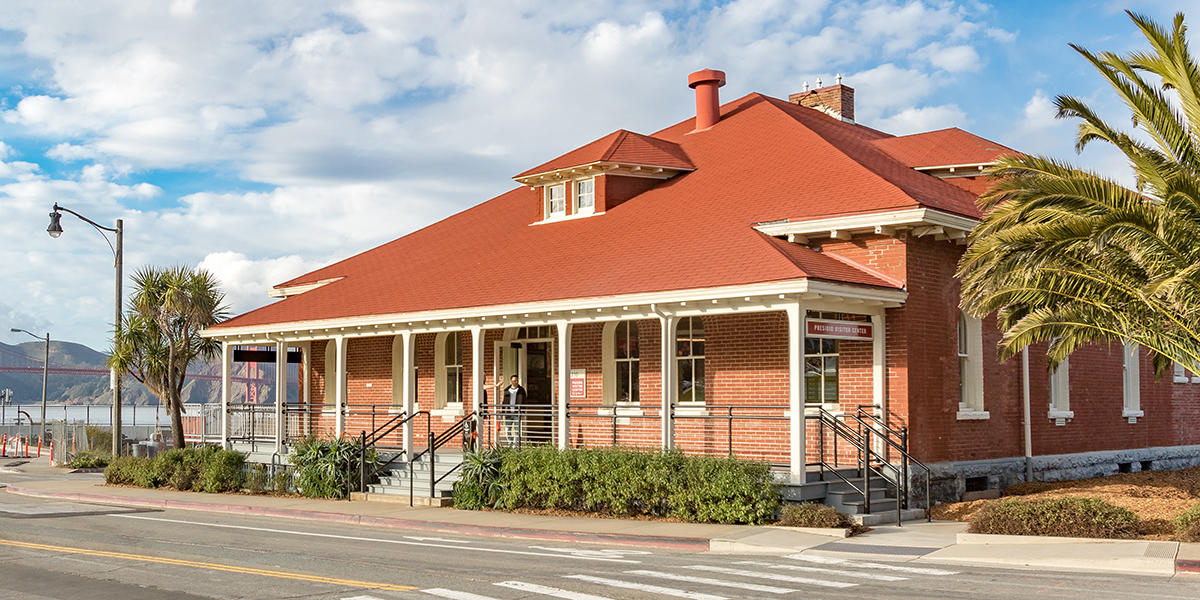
(539, 386)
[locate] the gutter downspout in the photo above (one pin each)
(1025, 398)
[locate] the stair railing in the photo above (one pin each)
(372, 439)
(869, 461)
(886, 433)
(437, 441)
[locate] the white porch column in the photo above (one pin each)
(341, 344)
(564, 382)
(879, 366)
(477, 375)
(667, 324)
(408, 386)
(795, 325)
(226, 390)
(306, 399)
(281, 366)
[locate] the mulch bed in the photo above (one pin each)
(1156, 497)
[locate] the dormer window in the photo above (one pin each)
(585, 197)
(556, 200)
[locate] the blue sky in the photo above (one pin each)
(261, 140)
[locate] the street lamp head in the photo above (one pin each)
(14, 330)
(55, 228)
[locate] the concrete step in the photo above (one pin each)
(889, 517)
(417, 500)
(402, 490)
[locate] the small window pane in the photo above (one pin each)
(632, 335)
(697, 338)
(621, 340)
(698, 380)
(634, 397)
(812, 345)
(685, 381)
(623, 391)
(828, 346)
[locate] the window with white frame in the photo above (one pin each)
(449, 363)
(820, 371)
(689, 360)
(1185, 375)
(330, 373)
(970, 367)
(626, 359)
(1060, 391)
(556, 200)
(1132, 381)
(585, 196)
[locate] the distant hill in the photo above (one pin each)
(85, 389)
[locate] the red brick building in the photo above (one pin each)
(751, 268)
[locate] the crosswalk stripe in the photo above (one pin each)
(549, 591)
(769, 575)
(455, 595)
(829, 560)
(852, 574)
(754, 587)
(645, 587)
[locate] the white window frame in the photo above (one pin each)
(969, 336)
(443, 405)
(609, 371)
(1131, 371)
(1060, 393)
(835, 355)
(578, 197)
(549, 203)
(330, 373)
(693, 358)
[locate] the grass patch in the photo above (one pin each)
(1067, 517)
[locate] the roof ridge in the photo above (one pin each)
(622, 134)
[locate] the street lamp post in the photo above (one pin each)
(45, 374)
(55, 229)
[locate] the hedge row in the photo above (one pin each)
(199, 468)
(1066, 517)
(620, 482)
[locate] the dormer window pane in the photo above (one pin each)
(585, 199)
(556, 200)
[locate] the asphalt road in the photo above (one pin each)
(52, 549)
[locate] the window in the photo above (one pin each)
(1181, 374)
(450, 372)
(535, 333)
(970, 368)
(689, 359)
(585, 198)
(1060, 392)
(626, 358)
(556, 200)
(330, 373)
(820, 371)
(1132, 408)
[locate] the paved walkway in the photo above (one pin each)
(941, 542)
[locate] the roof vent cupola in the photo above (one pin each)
(708, 103)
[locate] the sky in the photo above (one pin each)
(261, 140)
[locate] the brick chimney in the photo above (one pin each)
(708, 104)
(837, 100)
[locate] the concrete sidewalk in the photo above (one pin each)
(919, 542)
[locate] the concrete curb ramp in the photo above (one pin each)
(648, 541)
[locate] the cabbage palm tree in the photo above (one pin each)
(1069, 256)
(159, 334)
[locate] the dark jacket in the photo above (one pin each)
(505, 398)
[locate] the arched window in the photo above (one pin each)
(689, 360)
(626, 358)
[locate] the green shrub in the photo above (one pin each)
(221, 471)
(256, 478)
(1187, 524)
(119, 470)
(329, 468)
(99, 438)
(142, 473)
(1069, 517)
(91, 459)
(480, 484)
(625, 482)
(281, 482)
(810, 514)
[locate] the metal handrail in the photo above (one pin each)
(867, 454)
(906, 458)
(436, 442)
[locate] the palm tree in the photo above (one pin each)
(1069, 256)
(160, 332)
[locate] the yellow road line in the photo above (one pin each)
(212, 566)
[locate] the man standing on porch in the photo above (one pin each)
(512, 397)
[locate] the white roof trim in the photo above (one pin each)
(978, 166)
(293, 290)
(601, 167)
(761, 296)
(868, 222)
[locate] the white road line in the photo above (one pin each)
(753, 587)
(645, 587)
(549, 591)
(362, 598)
(829, 560)
(853, 574)
(455, 595)
(435, 539)
(380, 540)
(769, 575)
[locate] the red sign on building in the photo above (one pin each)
(578, 384)
(838, 330)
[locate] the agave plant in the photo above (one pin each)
(1070, 257)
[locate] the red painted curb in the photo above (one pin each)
(645, 541)
(1187, 565)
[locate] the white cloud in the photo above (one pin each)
(925, 118)
(952, 58)
(245, 281)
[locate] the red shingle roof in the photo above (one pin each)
(943, 147)
(765, 159)
(620, 146)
